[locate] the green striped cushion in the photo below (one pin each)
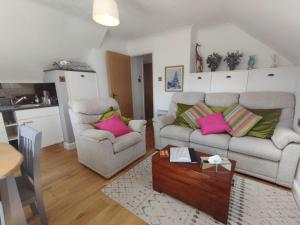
(198, 110)
(240, 120)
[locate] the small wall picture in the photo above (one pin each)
(174, 78)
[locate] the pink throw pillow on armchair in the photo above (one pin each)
(114, 125)
(213, 124)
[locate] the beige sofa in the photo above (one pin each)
(100, 150)
(274, 159)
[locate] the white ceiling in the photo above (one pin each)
(274, 22)
(143, 17)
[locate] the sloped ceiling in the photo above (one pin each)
(274, 22)
(33, 36)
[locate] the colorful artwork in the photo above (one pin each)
(174, 78)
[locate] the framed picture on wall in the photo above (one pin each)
(174, 78)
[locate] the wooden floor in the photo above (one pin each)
(72, 192)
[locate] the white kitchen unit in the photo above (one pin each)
(3, 135)
(42, 119)
(198, 82)
(273, 79)
(229, 81)
(71, 85)
(81, 85)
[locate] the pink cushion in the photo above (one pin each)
(213, 124)
(114, 125)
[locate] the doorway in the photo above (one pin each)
(142, 86)
(148, 87)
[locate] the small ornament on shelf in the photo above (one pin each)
(199, 60)
(251, 62)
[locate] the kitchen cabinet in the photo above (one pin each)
(71, 85)
(46, 120)
(81, 85)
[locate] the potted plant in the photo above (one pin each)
(233, 59)
(213, 61)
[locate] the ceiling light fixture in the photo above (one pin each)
(106, 12)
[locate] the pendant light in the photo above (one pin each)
(105, 12)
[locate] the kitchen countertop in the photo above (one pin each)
(24, 107)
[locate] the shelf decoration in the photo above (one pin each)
(213, 61)
(233, 59)
(174, 78)
(251, 62)
(199, 59)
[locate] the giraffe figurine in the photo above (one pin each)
(199, 60)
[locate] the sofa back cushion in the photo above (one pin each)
(187, 98)
(90, 110)
(271, 100)
(96, 106)
(221, 99)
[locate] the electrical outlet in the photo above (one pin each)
(299, 122)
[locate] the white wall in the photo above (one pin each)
(228, 37)
(177, 48)
(96, 58)
(168, 49)
(33, 36)
(137, 87)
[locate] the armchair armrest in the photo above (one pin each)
(98, 135)
(164, 120)
(137, 125)
(283, 136)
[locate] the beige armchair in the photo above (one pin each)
(100, 150)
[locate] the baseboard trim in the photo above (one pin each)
(69, 146)
(296, 192)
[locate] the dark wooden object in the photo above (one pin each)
(208, 191)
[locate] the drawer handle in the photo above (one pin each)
(199, 78)
(27, 123)
(271, 75)
(82, 75)
(228, 76)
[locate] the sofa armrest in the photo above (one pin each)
(283, 136)
(288, 165)
(137, 125)
(98, 135)
(163, 120)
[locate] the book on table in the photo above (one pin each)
(182, 155)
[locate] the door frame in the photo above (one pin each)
(153, 78)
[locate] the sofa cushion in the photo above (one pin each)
(126, 141)
(265, 128)
(181, 108)
(213, 124)
(221, 99)
(187, 98)
(257, 147)
(212, 140)
(198, 110)
(240, 120)
(176, 132)
(271, 100)
(114, 125)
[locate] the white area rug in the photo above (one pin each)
(252, 203)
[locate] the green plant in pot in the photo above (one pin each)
(233, 59)
(213, 61)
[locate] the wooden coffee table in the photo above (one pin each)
(206, 190)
